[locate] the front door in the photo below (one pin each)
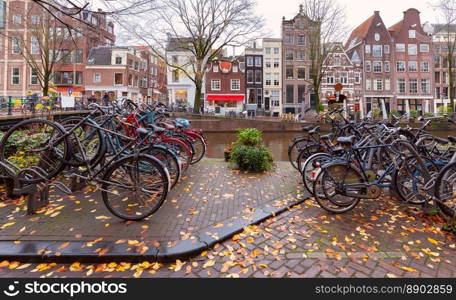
(266, 104)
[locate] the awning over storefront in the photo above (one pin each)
(225, 98)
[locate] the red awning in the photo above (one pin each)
(225, 98)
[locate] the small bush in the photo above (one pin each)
(413, 113)
(249, 153)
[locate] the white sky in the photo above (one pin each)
(357, 11)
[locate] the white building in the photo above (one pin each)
(181, 89)
(272, 75)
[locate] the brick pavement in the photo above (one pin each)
(379, 238)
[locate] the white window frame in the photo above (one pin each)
(412, 34)
(375, 49)
(267, 79)
(35, 19)
(276, 50)
(403, 64)
(258, 60)
(400, 47)
(33, 76)
(424, 48)
(401, 80)
(267, 50)
(18, 76)
(96, 77)
(235, 68)
(427, 85)
(386, 49)
(15, 45)
(422, 69)
(368, 84)
(368, 66)
(17, 19)
(367, 49)
(415, 63)
(410, 47)
(34, 45)
(215, 85)
(357, 77)
(233, 81)
(387, 86)
(377, 63)
(215, 68)
(387, 67)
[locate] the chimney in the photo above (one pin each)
(301, 9)
(377, 13)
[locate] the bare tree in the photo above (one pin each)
(447, 30)
(201, 28)
(326, 25)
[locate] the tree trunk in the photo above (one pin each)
(198, 93)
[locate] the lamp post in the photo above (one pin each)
(10, 106)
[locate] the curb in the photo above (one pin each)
(52, 251)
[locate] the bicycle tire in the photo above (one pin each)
(445, 190)
(168, 158)
(294, 149)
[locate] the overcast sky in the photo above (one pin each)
(357, 11)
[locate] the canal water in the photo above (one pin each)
(276, 141)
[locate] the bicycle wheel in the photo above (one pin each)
(35, 150)
(134, 187)
(86, 142)
(295, 149)
(180, 149)
(168, 158)
(445, 191)
(333, 181)
(312, 167)
(408, 182)
(199, 146)
(306, 152)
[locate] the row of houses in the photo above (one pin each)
(396, 68)
(89, 62)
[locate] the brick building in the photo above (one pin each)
(225, 85)
(295, 64)
(339, 68)
(254, 80)
(397, 64)
(17, 19)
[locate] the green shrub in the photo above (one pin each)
(395, 113)
(413, 113)
(376, 112)
(253, 159)
(249, 153)
(429, 115)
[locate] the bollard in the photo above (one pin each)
(10, 112)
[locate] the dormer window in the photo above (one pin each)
(412, 34)
(377, 37)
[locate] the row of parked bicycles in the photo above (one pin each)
(134, 153)
(359, 160)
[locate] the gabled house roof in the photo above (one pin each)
(361, 31)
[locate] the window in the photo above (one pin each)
(17, 19)
(424, 66)
(289, 39)
(377, 50)
(33, 76)
(249, 76)
(96, 77)
(235, 84)
(118, 78)
(16, 47)
(290, 93)
(251, 96)
(259, 96)
(258, 76)
(413, 86)
(368, 49)
(413, 66)
(424, 47)
(377, 66)
(258, 61)
(368, 84)
(437, 77)
(377, 36)
(378, 84)
(400, 47)
(412, 34)
(235, 69)
(387, 84)
(387, 66)
(337, 61)
(34, 46)
(400, 66)
(276, 63)
(425, 86)
(357, 77)
(289, 72)
(412, 49)
(215, 68)
(301, 55)
(368, 66)
(276, 79)
(267, 63)
(301, 93)
(268, 50)
(35, 19)
(276, 50)
(301, 73)
(301, 40)
(344, 77)
(401, 85)
(275, 98)
(15, 78)
(289, 55)
(77, 56)
(268, 79)
(118, 60)
(136, 65)
(66, 56)
(386, 49)
(78, 78)
(175, 77)
(249, 61)
(330, 78)
(215, 84)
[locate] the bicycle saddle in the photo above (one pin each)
(142, 132)
(166, 126)
(327, 136)
(441, 141)
(315, 130)
(307, 128)
(452, 139)
(177, 124)
(157, 129)
(346, 140)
